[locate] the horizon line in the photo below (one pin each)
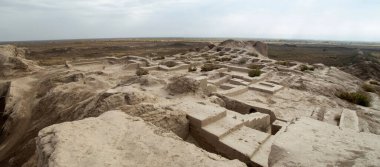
(201, 38)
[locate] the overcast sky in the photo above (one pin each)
(357, 20)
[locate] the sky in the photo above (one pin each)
(340, 20)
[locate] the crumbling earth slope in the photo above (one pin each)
(116, 139)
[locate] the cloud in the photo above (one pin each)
(299, 19)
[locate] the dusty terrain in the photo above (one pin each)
(179, 103)
(359, 59)
(57, 52)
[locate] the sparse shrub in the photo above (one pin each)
(306, 68)
(211, 46)
(159, 58)
(192, 68)
(243, 60)
(170, 64)
(359, 98)
(255, 60)
(303, 68)
(218, 49)
(224, 59)
(254, 73)
(208, 67)
(141, 72)
(252, 54)
(234, 56)
(374, 83)
(227, 49)
(221, 53)
(368, 88)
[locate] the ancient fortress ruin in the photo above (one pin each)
(227, 104)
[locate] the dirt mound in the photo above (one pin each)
(233, 44)
(258, 46)
(364, 70)
(183, 84)
(261, 47)
(12, 61)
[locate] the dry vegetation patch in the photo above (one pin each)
(368, 88)
(359, 97)
(254, 73)
(243, 60)
(192, 68)
(224, 59)
(141, 72)
(170, 63)
(253, 54)
(209, 67)
(306, 68)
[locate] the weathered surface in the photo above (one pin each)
(260, 47)
(163, 117)
(349, 120)
(309, 142)
(94, 85)
(183, 84)
(116, 139)
(12, 61)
